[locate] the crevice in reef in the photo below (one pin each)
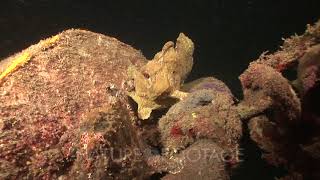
(291, 73)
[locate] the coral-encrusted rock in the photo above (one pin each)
(47, 89)
(206, 113)
(264, 87)
(202, 160)
(292, 49)
(109, 146)
(309, 69)
(308, 83)
(275, 140)
(284, 126)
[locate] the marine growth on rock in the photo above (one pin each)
(82, 105)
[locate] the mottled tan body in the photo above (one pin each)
(162, 76)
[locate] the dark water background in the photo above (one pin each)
(228, 34)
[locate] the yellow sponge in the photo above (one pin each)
(18, 62)
(25, 57)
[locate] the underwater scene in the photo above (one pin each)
(150, 90)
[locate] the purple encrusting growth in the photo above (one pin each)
(206, 83)
(195, 99)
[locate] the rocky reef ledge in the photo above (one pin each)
(82, 105)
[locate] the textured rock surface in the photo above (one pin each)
(203, 114)
(109, 147)
(202, 160)
(286, 123)
(207, 113)
(264, 87)
(44, 103)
